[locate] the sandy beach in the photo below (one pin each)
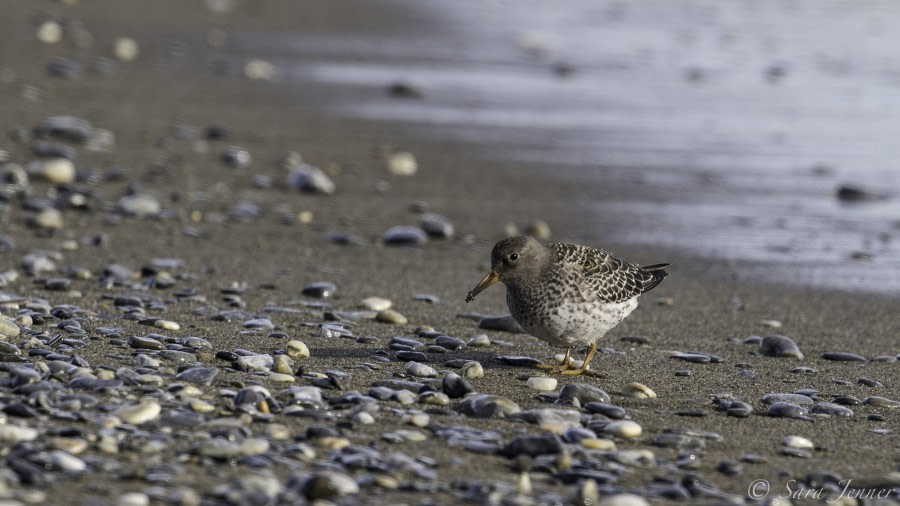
(246, 241)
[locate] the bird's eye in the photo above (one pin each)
(513, 257)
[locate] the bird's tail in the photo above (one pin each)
(657, 274)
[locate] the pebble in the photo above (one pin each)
(12, 434)
(692, 357)
(780, 346)
(584, 392)
(376, 303)
(49, 219)
(626, 429)
(541, 383)
(488, 406)
(419, 370)
(139, 206)
(799, 399)
(125, 49)
(321, 290)
(827, 408)
(519, 361)
(254, 363)
(402, 235)
(139, 413)
(436, 226)
(622, 500)
(8, 328)
(455, 386)
(391, 316)
(533, 445)
(472, 370)
(504, 323)
(310, 179)
(881, 402)
(479, 341)
(402, 163)
(843, 357)
(55, 170)
(607, 410)
(797, 442)
(638, 391)
(788, 410)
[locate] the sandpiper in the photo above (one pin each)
(566, 294)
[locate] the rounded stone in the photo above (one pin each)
(436, 226)
(391, 316)
(472, 370)
(297, 349)
(328, 485)
(376, 303)
(125, 49)
(9, 328)
(49, 218)
(322, 289)
(541, 383)
(797, 442)
(419, 370)
(133, 499)
(780, 346)
(139, 413)
(402, 163)
(638, 391)
(479, 341)
(57, 170)
(305, 177)
(139, 206)
(402, 235)
(625, 429)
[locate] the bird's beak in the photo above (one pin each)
(489, 279)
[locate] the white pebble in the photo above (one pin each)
(297, 349)
(623, 500)
(798, 442)
(364, 418)
(133, 499)
(259, 69)
(391, 316)
(472, 370)
(139, 413)
(166, 325)
(541, 383)
(125, 49)
(623, 428)
(402, 163)
(50, 32)
(419, 370)
(376, 303)
(639, 391)
(13, 434)
(254, 446)
(57, 170)
(49, 218)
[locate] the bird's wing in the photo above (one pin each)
(609, 278)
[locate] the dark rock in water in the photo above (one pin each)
(852, 193)
(840, 356)
(402, 235)
(788, 410)
(780, 346)
(584, 392)
(504, 323)
(828, 408)
(488, 406)
(455, 386)
(544, 444)
(519, 361)
(322, 289)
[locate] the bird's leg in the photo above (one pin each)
(566, 364)
(584, 366)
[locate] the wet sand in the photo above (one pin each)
(179, 80)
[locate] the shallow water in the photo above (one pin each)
(735, 122)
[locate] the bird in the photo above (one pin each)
(567, 294)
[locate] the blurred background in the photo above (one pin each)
(763, 132)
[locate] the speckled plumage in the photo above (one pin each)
(567, 294)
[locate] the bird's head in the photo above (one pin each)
(513, 260)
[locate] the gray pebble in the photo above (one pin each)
(254, 363)
(311, 179)
(544, 444)
(692, 357)
(679, 441)
(455, 386)
(450, 343)
(870, 383)
(139, 206)
(436, 225)
(488, 406)
(403, 235)
(584, 392)
(840, 356)
(322, 289)
(607, 410)
(504, 323)
(828, 408)
(198, 375)
(780, 346)
(881, 402)
(419, 370)
(799, 399)
(520, 361)
(788, 410)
